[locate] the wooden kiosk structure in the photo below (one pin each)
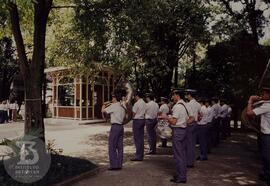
(79, 97)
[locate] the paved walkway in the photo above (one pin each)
(235, 162)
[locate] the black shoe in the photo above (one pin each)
(190, 166)
(264, 177)
(135, 159)
(114, 169)
(177, 181)
(201, 159)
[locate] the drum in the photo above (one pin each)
(163, 129)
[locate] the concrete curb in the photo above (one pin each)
(82, 176)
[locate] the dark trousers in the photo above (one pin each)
(216, 132)
(191, 143)
(228, 126)
(179, 152)
(266, 154)
(116, 146)
(1, 116)
(209, 136)
(5, 116)
(163, 142)
(10, 114)
(202, 137)
(138, 134)
(152, 136)
(224, 127)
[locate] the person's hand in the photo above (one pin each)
(253, 99)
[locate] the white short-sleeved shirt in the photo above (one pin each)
(117, 113)
(216, 109)
(229, 112)
(210, 114)
(152, 110)
(195, 108)
(224, 111)
(139, 109)
(5, 107)
(264, 112)
(164, 109)
(1, 107)
(180, 113)
(204, 115)
(14, 106)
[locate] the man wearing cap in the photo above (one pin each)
(264, 112)
(191, 128)
(138, 126)
(178, 122)
(164, 110)
(151, 114)
(117, 113)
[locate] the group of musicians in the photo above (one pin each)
(204, 121)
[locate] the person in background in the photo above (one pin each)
(22, 111)
(164, 110)
(138, 126)
(210, 117)
(1, 112)
(191, 128)
(14, 107)
(5, 112)
(202, 131)
(223, 115)
(151, 114)
(229, 117)
(216, 122)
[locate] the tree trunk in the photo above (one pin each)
(32, 72)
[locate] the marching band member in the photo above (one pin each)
(216, 121)
(178, 122)
(164, 110)
(151, 114)
(264, 112)
(223, 116)
(191, 128)
(117, 113)
(138, 126)
(202, 132)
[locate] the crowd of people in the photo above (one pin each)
(9, 111)
(205, 121)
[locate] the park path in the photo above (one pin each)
(235, 162)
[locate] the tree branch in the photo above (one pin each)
(15, 24)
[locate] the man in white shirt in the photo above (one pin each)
(191, 128)
(14, 107)
(202, 131)
(178, 122)
(138, 126)
(216, 122)
(5, 111)
(210, 118)
(1, 112)
(151, 114)
(223, 116)
(264, 112)
(164, 110)
(117, 113)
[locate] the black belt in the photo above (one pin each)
(117, 124)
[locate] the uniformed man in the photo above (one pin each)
(117, 113)
(178, 122)
(164, 110)
(138, 126)
(223, 116)
(202, 131)
(151, 114)
(216, 122)
(264, 112)
(210, 117)
(191, 128)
